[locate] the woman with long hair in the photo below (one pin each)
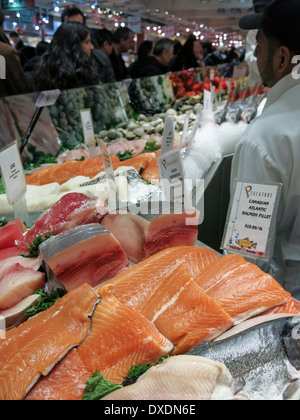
(189, 55)
(67, 64)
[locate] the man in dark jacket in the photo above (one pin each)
(123, 42)
(157, 63)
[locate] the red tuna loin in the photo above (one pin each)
(72, 210)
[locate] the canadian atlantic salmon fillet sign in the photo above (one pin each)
(251, 219)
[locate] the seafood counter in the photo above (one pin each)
(124, 303)
(113, 305)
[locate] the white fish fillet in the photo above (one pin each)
(181, 378)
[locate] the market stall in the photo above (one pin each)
(90, 290)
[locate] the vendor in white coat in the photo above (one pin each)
(270, 149)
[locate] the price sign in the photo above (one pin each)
(14, 179)
(208, 103)
(172, 176)
(110, 175)
(169, 133)
(88, 131)
(251, 220)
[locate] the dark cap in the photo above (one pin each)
(280, 20)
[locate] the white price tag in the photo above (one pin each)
(13, 172)
(88, 128)
(208, 103)
(110, 176)
(172, 176)
(169, 133)
(252, 220)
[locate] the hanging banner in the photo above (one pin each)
(17, 4)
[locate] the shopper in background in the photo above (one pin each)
(103, 45)
(123, 42)
(16, 39)
(157, 63)
(254, 78)
(3, 37)
(211, 56)
(72, 14)
(15, 82)
(270, 149)
(67, 64)
(31, 65)
(145, 50)
(189, 55)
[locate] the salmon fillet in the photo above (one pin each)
(241, 288)
(62, 172)
(120, 338)
(182, 312)
(35, 347)
(133, 286)
(66, 382)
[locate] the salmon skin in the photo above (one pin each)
(35, 347)
(266, 357)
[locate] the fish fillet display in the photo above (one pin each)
(149, 237)
(61, 173)
(134, 285)
(70, 211)
(181, 378)
(120, 338)
(66, 382)
(87, 254)
(11, 233)
(241, 288)
(17, 283)
(35, 347)
(265, 356)
(182, 312)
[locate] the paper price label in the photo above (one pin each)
(252, 219)
(13, 172)
(208, 102)
(168, 138)
(88, 128)
(172, 176)
(110, 176)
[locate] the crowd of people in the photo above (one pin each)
(79, 56)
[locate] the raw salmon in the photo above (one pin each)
(72, 210)
(61, 173)
(182, 312)
(120, 338)
(133, 286)
(241, 288)
(140, 163)
(66, 382)
(36, 346)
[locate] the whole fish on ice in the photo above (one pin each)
(266, 357)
